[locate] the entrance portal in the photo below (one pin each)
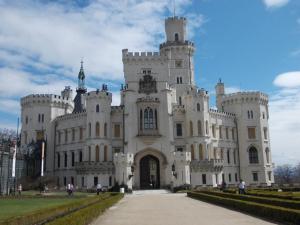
(149, 172)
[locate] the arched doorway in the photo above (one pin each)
(149, 172)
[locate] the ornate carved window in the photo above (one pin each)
(147, 84)
(253, 155)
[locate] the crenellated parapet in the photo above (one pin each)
(219, 114)
(46, 99)
(105, 95)
(71, 116)
(141, 56)
(245, 97)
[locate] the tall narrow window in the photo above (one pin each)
(39, 119)
(66, 136)
(80, 156)
(58, 160)
(80, 133)
(26, 120)
(105, 154)
(253, 155)
(176, 36)
(97, 108)
(191, 128)
(222, 153)
(220, 132)
(227, 133)
(267, 155)
(178, 129)
(203, 178)
(150, 119)
(97, 129)
(215, 153)
(66, 159)
(90, 129)
(248, 114)
(198, 107)
(73, 158)
(141, 120)
(42, 118)
(177, 80)
(251, 113)
(105, 129)
(228, 156)
(192, 152)
(90, 153)
(59, 137)
(232, 134)
(97, 153)
(201, 154)
(117, 130)
(265, 133)
(234, 156)
(206, 127)
(213, 128)
(179, 99)
(199, 128)
(180, 78)
(155, 112)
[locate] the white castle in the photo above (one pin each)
(162, 135)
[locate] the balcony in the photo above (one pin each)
(94, 167)
(209, 165)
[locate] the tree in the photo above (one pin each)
(284, 174)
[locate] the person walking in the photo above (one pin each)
(242, 185)
(20, 189)
(98, 188)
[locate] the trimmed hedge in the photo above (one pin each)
(88, 214)
(288, 216)
(43, 215)
(269, 201)
(281, 195)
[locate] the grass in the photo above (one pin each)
(17, 207)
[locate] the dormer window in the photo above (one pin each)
(176, 37)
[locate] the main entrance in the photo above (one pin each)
(149, 172)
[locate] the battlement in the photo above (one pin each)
(242, 97)
(140, 55)
(222, 114)
(116, 109)
(44, 99)
(71, 116)
(172, 18)
(99, 94)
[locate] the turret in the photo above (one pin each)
(81, 90)
(67, 92)
(175, 28)
(220, 92)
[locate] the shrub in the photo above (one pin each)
(86, 215)
(288, 216)
(269, 201)
(182, 188)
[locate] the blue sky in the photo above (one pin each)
(250, 44)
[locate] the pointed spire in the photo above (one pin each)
(81, 77)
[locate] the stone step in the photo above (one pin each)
(149, 192)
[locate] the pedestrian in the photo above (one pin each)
(223, 186)
(20, 189)
(69, 189)
(72, 189)
(98, 188)
(242, 185)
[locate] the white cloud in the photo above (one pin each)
(229, 90)
(275, 3)
(288, 80)
(284, 121)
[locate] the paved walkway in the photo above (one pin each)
(171, 209)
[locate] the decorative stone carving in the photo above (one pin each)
(147, 85)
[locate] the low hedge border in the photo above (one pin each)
(88, 214)
(269, 201)
(39, 216)
(288, 216)
(287, 196)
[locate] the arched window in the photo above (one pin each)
(248, 114)
(206, 127)
(199, 128)
(105, 154)
(251, 112)
(90, 153)
(177, 80)
(191, 128)
(198, 107)
(253, 155)
(192, 152)
(148, 118)
(97, 153)
(97, 130)
(97, 108)
(176, 37)
(228, 156)
(267, 155)
(58, 160)
(105, 129)
(201, 155)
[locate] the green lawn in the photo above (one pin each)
(17, 207)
